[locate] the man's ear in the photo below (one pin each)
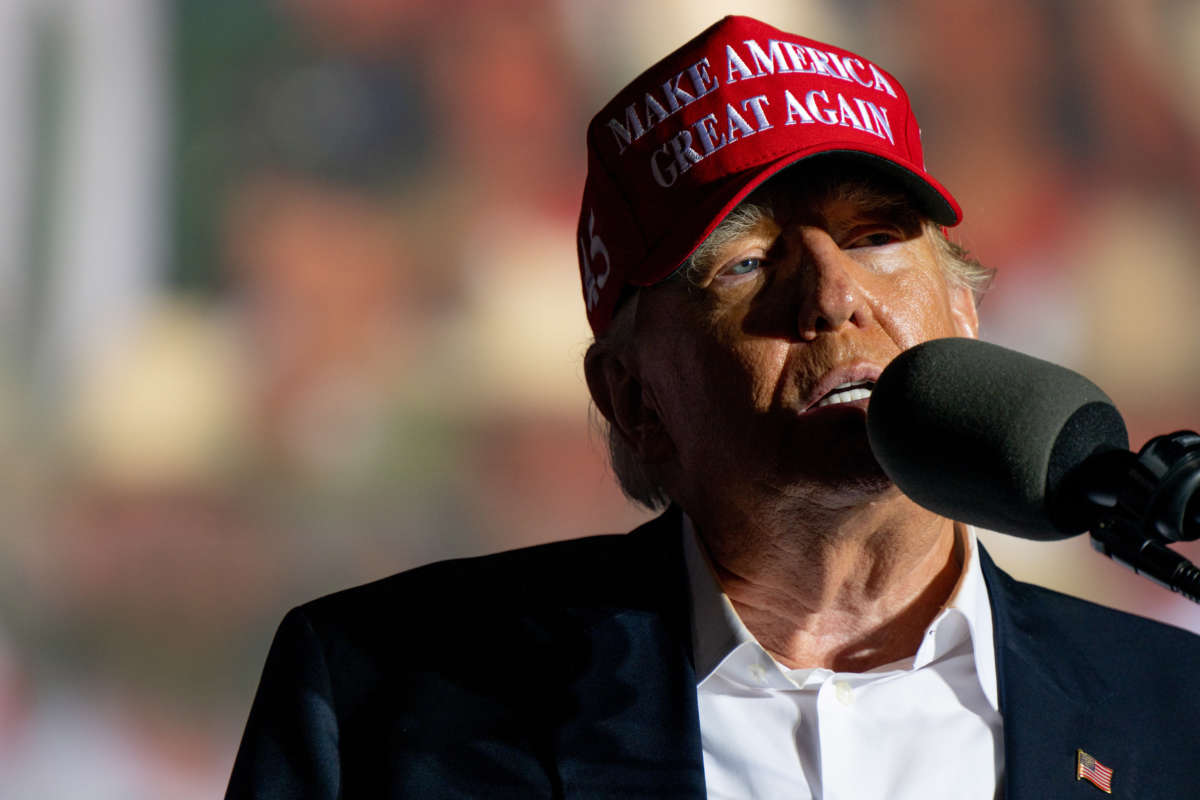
(964, 312)
(621, 397)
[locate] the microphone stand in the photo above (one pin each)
(1140, 503)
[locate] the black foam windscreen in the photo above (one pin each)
(986, 435)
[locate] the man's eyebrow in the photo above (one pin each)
(746, 219)
(870, 196)
(897, 213)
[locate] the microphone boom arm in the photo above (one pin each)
(1139, 504)
(1147, 557)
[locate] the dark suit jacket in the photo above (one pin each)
(565, 671)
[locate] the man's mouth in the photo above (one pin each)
(846, 393)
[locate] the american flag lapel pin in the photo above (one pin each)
(1088, 768)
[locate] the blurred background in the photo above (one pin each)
(289, 302)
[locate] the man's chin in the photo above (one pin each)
(846, 463)
(863, 479)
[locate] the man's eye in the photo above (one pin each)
(876, 239)
(743, 267)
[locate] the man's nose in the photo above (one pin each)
(833, 296)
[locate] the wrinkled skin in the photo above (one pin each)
(731, 368)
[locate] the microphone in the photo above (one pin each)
(993, 437)
(1008, 442)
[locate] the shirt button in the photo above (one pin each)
(844, 693)
(758, 673)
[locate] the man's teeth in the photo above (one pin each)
(846, 393)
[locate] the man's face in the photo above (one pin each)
(757, 366)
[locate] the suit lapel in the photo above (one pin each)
(1052, 702)
(630, 726)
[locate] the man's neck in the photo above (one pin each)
(847, 589)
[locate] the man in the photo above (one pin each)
(758, 239)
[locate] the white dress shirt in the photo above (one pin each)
(924, 727)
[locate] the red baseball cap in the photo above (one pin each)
(689, 138)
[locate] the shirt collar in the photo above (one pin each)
(718, 632)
